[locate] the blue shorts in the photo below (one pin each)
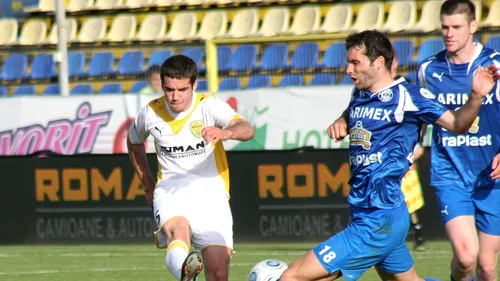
(482, 203)
(374, 237)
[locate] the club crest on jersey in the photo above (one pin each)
(196, 127)
(427, 94)
(360, 136)
(386, 95)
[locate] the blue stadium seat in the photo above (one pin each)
(412, 76)
(404, 49)
(322, 79)
(243, 58)
(82, 89)
(101, 64)
(14, 67)
(137, 87)
(223, 57)
(76, 63)
(158, 57)
(493, 43)
(43, 66)
(305, 56)
(275, 56)
(51, 90)
(25, 90)
(346, 80)
(131, 63)
(114, 88)
(291, 80)
(4, 92)
(202, 86)
(259, 81)
(428, 49)
(230, 84)
(195, 53)
(335, 55)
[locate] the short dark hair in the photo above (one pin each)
(453, 7)
(153, 70)
(179, 67)
(376, 44)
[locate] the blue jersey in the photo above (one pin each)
(464, 160)
(384, 128)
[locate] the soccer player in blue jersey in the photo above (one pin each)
(384, 119)
(465, 168)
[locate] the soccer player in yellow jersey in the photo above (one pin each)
(191, 193)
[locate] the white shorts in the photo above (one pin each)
(208, 214)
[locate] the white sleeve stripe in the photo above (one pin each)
(421, 74)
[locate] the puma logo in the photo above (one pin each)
(439, 77)
(159, 130)
(445, 211)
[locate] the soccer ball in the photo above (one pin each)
(267, 270)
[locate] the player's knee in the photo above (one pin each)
(217, 273)
(466, 258)
(487, 269)
(290, 274)
(177, 228)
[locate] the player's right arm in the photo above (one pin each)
(338, 129)
(137, 135)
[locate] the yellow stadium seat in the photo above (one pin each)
(244, 22)
(276, 20)
(429, 19)
(306, 20)
(184, 25)
(71, 27)
(338, 18)
(493, 17)
(93, 29)
(107, 4)
(9, 28)
(33, 32)
(137, 3)
(370, 16)
(153, 27)
(78, 5)
(402, 15)
(188, 2)
(43, 6)
(123, 28)
(479, 9)
(163, 2)
(214, 24)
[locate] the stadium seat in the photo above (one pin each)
(402, 15)
(493, 43)
(114, 88)
(158, 57)
(305, 56)
(137, 3)
(71, 27)
(412, 76)
(223, 57)
(275, 21)
(24, 90)
(9, 28)
(43, 66)
(101, 64)
(195, 53)
(428, 49)
(335, 55)
(404, 49)
(76, 63)
(78, 5)
(292, 80)
(479, 9)
(163, 3)
(229, 84)
(338, 18)
(33, 32)
(51, 90)
(306, 20)
(243, 58)
(123, 28)
(14, 67)
(346, 80)
(42, 6)
(429, 18)
(137, 87)
(107, 4)
(93, 29)
(259, 81)
(275, 56)
(4, 92)
(369, 16)
(188, 2)
(184, 25)
(82, 89)
(322, 79)
(492, 19)
(153, 27)
(244, 22)
(131, 63)
(202, 86)
(214, 24)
